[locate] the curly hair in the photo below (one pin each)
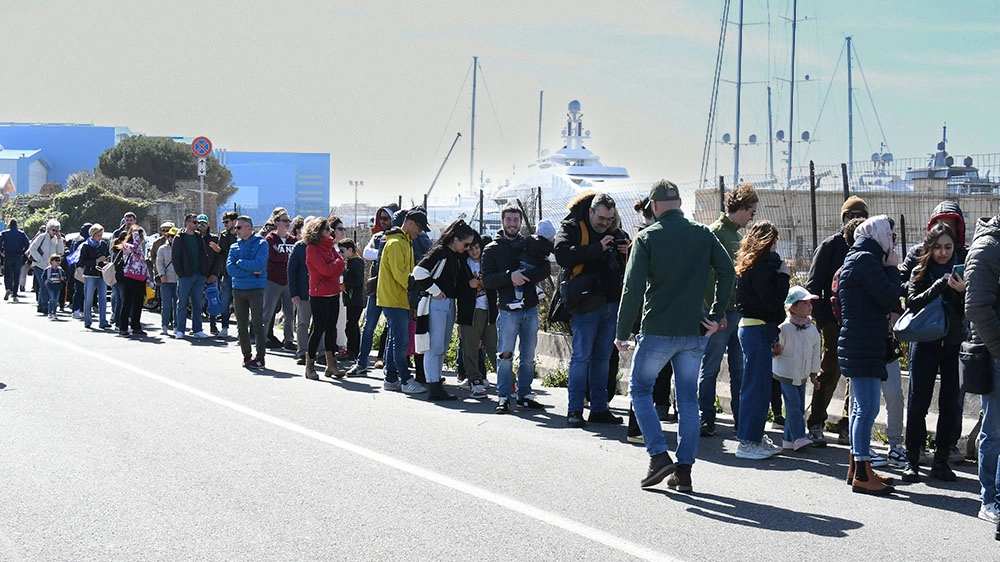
(755, 246)
(313, 231)
(926, 253)
(743, 196)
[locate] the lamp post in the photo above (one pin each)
(356, 184)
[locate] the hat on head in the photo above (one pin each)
(173, 231)
(203, 218)
(546, 229)
(796, 294)
(854, 203)
(664, 190)
(418, 216)
(167, 224)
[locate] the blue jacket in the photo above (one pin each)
(14, 243)
(244, 260)
(298, 273)
(868, 292)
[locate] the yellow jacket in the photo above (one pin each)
(394, 271)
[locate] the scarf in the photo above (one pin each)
(93, 243)
(878, 229)
(800, 322)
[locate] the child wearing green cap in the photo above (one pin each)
(796, 358)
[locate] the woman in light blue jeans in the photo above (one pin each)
(93, 255)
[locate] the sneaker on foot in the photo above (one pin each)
(797, 444)
(844, 437)
(752, 451)
(200, 335)
(636, 439)
(575, 419)
(680, 480)
(778, 423)
(660, 466)
(256, 363)
(478, 391)
(943, 472)
(223, 333)
(770, 446)
(897, 456)
(989, 513)
(707, 428)
(356, 371)
(877, 460)
(413, 387)
(503, 405)
(179, 334)
(77, 314)
(529, 403)
(604, 417)
(955, 456)
(816, 436)
(465, 384)
(394, 385)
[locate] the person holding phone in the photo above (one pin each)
(936, 275)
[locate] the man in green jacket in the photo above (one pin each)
(741, 205)
(666, 276)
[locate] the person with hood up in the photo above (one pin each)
(868, 290)
(13, 244)
(591, 243)
(373, 312)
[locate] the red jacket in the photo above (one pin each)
(325, 267)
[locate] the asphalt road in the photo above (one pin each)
(158, 449)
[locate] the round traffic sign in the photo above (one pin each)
(201, 147)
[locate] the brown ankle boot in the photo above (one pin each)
(332, 369)
(850, 470)
(311, 368)
(867, 482)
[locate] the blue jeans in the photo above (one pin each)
(11, 271)
(226, 298)
(117, 296)
(191, 287)
(442, 322)
(795, 410)
(989, 441)
(40, 294)
(724, 341)
(77, 295)
(168, 304)
(521, 327)
(90, 286)
(593, 338)
(54, 292)
(755, 392)
(866, 395)
(685, 354)
(372, 313)
(397, 367)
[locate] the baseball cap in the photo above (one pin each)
(796, 294)
(664, 190)
(418, 216)
(203, 218)
(173, 231)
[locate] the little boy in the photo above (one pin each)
(54, 276)
(353, 295)
(796, 358)
(533, 254)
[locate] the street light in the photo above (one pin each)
(356, 184)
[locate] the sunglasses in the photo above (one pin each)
(340, 228)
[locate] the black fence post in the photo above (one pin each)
(722, 194)
(482, 225)
(847, 185)
(902, 234)
(812, 203)
(539, 204)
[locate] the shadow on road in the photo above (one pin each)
(762, 516)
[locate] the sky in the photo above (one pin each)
(384, 86)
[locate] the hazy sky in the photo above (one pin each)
(383, 86)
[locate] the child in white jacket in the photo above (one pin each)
(796, 358)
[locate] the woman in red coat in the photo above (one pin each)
(325, 267)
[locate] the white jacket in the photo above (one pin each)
(165, 263)
(44, 247)
(800, 354)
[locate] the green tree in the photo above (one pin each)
(96, 204)
(163, 162)
(131, 188)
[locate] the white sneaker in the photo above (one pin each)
(897, 456)
(412, 387)
(179, 335)
(466, 384)
(478, 391)
(77, 314)
(751, 451)
(200, 335)
(989, 513)
(224, 333)
(767, 445)
(395, 385)
(877, 460)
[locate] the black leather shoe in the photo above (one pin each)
(910, 473)
(707, 428)
(943, 472)
(575, 419)
(680, 480)
(660, 466)
(604, 417)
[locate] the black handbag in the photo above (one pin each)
(930, 323)
(582, 294)
(975, 372)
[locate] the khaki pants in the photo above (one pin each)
(480, 332)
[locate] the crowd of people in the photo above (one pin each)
(684, 294)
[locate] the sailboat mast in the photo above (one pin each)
(850, 114)
(538, 151)
(472, 136)
(791, 95)
(739, 87)
(770, 134)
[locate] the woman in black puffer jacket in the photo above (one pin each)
(933, 278)
(868, 291)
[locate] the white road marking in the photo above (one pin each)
(537, 513)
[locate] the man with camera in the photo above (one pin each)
(592, 249)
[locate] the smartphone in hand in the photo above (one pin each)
(958, 270)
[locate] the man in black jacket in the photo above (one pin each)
(195, 263)
(827, 259)
(602, 258)
(227, 237)
(501, 272)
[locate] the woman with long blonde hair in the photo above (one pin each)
(761, 287)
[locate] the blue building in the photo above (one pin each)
(64, 148)
(26, 170)
(300, 182)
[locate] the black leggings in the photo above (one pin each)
(325, 313)
(134, 296)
